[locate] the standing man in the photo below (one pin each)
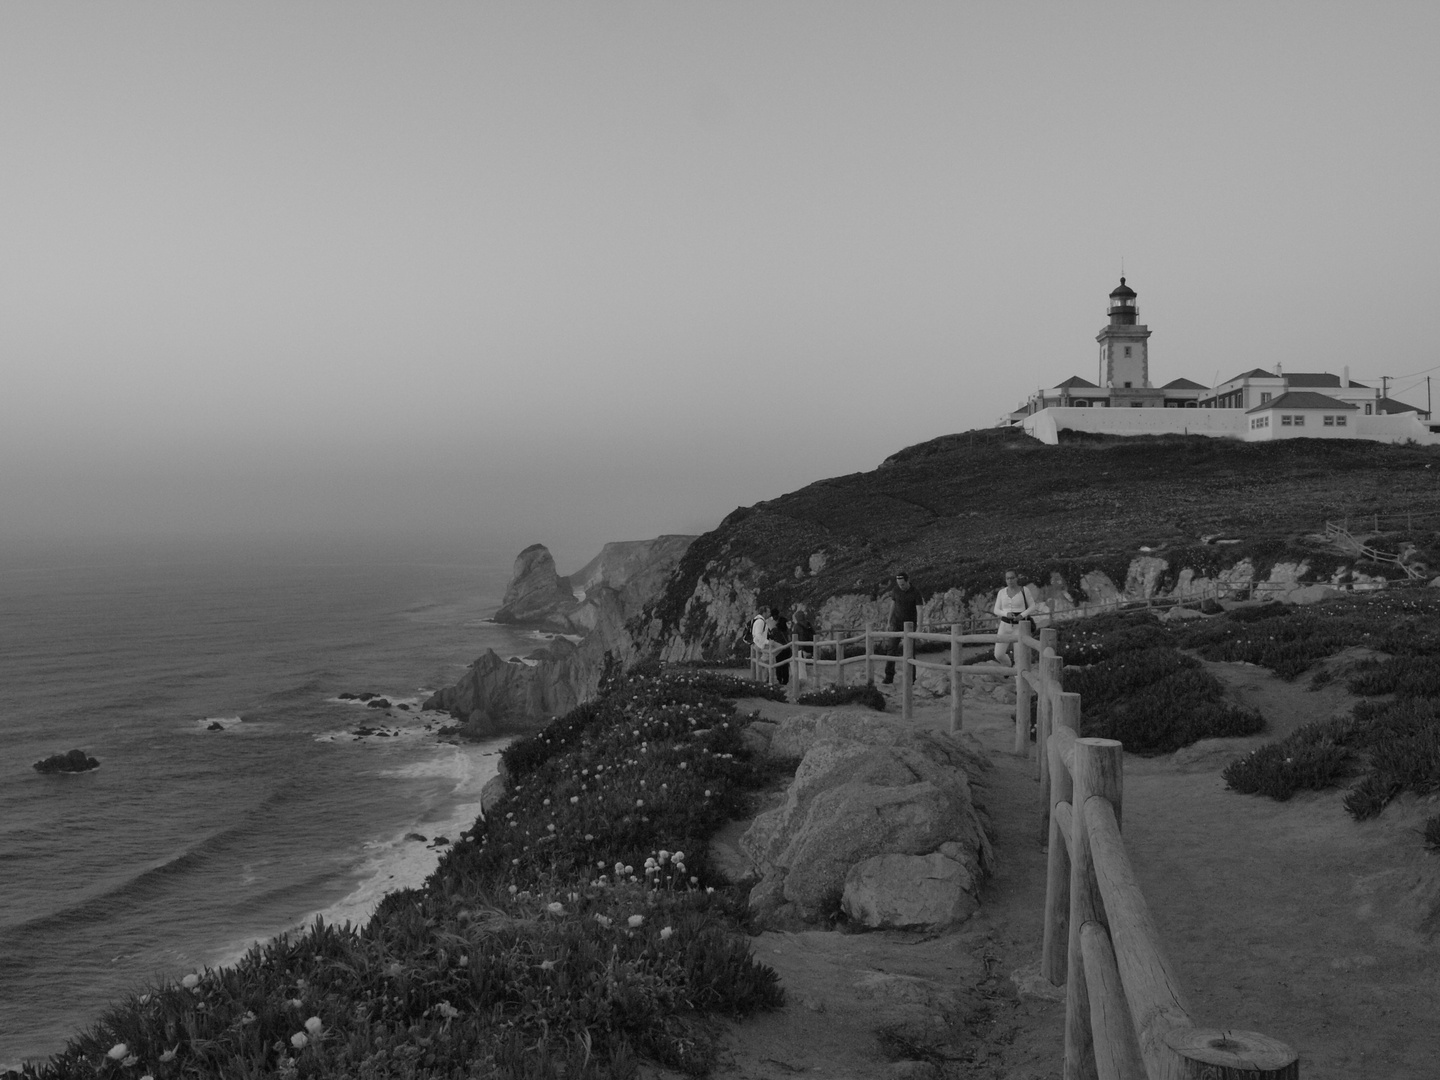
(904, 607)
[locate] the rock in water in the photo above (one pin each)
(74, 761)
(537, 593)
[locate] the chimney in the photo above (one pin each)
(1277, 369)
(1345, 378)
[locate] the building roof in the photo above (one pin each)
(1256, 373)
(1301, 378)
(1303, 399)
(1075, 380)
(1122, 289)
(1183, 384)
(1390, 405)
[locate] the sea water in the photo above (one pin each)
(234, 800)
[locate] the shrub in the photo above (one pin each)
(1279, 770)
(1431, 832)
(868, 694)
(1408, 676)
(1155, 701)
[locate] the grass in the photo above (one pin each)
(573, 932)
(846, 695)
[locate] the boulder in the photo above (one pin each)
(866, 787)
(73, 762)
(537, 593)
(909, 892)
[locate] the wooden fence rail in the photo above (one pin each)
(1126, 1013)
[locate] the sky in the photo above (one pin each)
(574, 272)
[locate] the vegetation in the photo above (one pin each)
(1389, 746)
(1136, 687)
(846, 695)
(571, 933)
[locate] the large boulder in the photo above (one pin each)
(537, 593)
(868, 788)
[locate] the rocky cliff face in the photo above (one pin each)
(496, 695)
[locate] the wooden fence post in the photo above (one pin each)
(957, 684)
(839, 659)
(1022, 697)
(1232, 1055)
(754, 664)
(1098, 764)
(792, 692)
(907, 677)
(1051, 667)
(869, 654)
(1057, 874)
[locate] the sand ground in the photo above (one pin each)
(1289, 919)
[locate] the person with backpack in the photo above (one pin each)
(1014, 605)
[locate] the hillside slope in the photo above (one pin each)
(957, 510)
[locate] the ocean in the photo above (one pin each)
(233, 800)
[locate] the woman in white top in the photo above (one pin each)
(1013, 603)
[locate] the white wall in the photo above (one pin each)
(1394, 428)
(1223, 423)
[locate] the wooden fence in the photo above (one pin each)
(1340, 536)
(1126, 1013)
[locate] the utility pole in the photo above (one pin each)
(1384, 386)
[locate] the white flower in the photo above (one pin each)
(514, 889)
(550, 828)
(602, 920)
(619, 868)
(546, 965)
(679, 856)
(630, 870)
(589, 837)
(118, 1051)
(299, 1040)
(169, 1055)
(190, 981)
(666, 932)
(130, 1061)
(639, 802)
(314, 1026)
(574, 798)
(637, 920)
(555, 908)
(448, 1011)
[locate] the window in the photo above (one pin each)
(1127, 385)
(1134, 404)
(1367, 410)
(1127, 353)
(1299, 419)
(1286, 420)
(1264, 397)
(1339, 421)
(1329, 421)
(1191, 405)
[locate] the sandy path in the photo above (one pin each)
(1286, 918)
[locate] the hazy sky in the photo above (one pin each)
(577, 272)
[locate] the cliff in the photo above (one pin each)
(496, 695)
(1087, 520)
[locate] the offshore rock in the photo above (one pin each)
(537, 593)
(73, 762)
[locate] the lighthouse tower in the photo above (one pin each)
(1124, 357)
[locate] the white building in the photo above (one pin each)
(1257, 405)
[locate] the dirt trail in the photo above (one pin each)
(1285, 918)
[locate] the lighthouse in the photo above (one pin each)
(1124, 356)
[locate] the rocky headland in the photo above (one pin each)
(1088, 521)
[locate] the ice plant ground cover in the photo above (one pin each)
(573, 932)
